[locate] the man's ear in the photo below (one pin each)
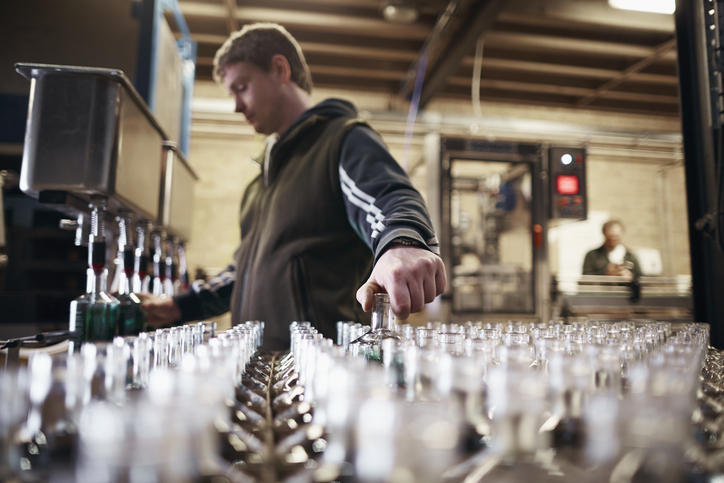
(280, 67)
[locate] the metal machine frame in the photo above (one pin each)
(535, 155)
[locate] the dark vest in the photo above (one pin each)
(300, 259)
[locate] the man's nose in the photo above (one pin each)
(239, 105)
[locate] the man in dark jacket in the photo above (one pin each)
(331, 212)
(612, 258)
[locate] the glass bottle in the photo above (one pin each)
(131, 319)
(183, 275)
(94, 315)
(159, 264)
(30, 437)
(171, 266)
(369, 344)
(141, 274)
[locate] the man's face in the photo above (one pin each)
(256, 93)
(613, 236)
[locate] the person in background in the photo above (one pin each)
(612, 258)
(330, 214)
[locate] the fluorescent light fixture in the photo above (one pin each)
(652, 6)
(400, 11)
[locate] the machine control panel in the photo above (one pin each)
(567, 174)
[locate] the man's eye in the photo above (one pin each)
(240, 88)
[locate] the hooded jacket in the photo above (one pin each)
(329, 199)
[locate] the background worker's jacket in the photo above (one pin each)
(596, 262)
(328, 201)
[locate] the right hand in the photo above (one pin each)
(411, 276)
(160, 311)
(618, 270)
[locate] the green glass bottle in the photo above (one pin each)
(94, 315)
(131, 319)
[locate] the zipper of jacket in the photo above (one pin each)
(270, 142)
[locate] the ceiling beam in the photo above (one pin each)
(567, 70)
(537, 88)
(355, 72)
(356, 52)
(454, 35)
(320, 22)
(622, 76)
(563, 45)
(589, 16)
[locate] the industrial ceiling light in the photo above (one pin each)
(400, 11)
(653, 6)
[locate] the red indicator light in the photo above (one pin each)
(577, 200)
(567, 185)
(579, 159)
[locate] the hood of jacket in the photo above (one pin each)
(327, 109)
(271, 159)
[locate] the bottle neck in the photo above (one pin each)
(388, 322)
(126, 275)
(381, 319)
(124, 283)
(100, 281)
(382, 316)
(90, 283)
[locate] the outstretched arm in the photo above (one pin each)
(202, 300)
(390, 216)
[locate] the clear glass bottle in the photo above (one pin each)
(159, 264)
(183, 276)
(369, 344)
(141, 272)
(94, 315)
(171, 267)
(30, 437)
(131, 319)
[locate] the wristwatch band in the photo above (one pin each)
(407, 242)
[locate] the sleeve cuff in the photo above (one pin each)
(190, 306)
(392, 235)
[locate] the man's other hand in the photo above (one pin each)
(411, 276)
(160, 311)
(618, 271)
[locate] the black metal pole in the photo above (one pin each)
(707, 260)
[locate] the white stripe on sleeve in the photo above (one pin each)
(366, 202)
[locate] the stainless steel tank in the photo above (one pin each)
(90, 132)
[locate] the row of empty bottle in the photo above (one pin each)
(516, 401)
(146, 408)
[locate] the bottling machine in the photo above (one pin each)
(493, 203)
(91, 141)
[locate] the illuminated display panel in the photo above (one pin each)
(567, 185)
